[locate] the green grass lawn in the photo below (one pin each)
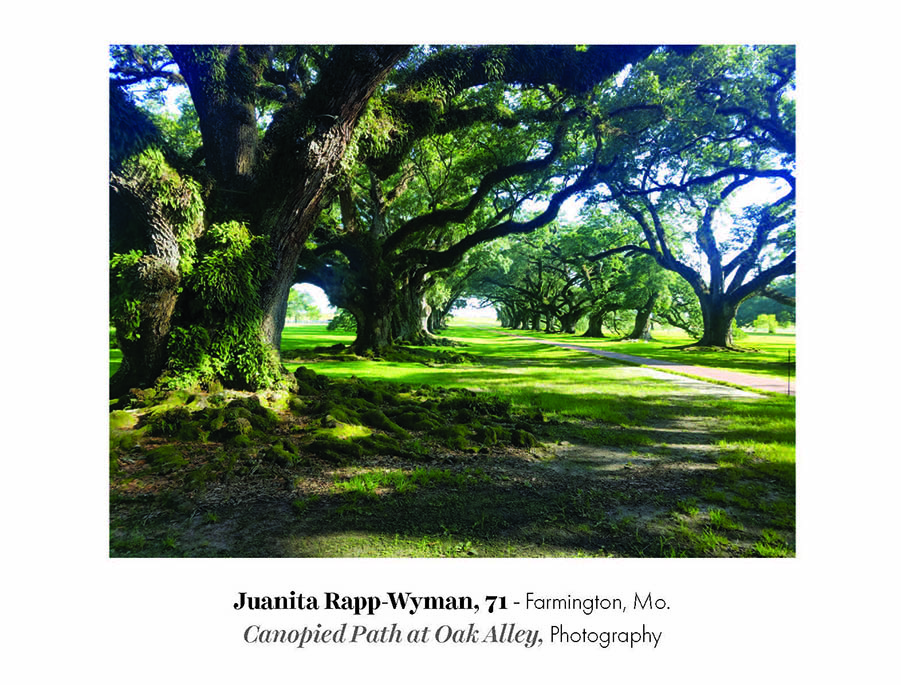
(762, 353)
(765, 354)
(627, 465)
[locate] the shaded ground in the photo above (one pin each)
(681, 484)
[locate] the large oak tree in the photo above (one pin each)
(728, 124)
(205, 247)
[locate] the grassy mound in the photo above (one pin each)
(404, 354)
(336, 421)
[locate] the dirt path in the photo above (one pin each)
(765, 383)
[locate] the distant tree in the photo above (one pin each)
(728, 124)
(301, 306)
(343, 320)
(778, 299)
(767, 321)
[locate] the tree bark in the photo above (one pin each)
(373, 319)
(596, 325)
(156, 278)
(642, 328)
(718, 315)
(412, 319)
(144, 355)
(276, 186)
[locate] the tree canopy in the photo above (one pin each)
(728, 126)
(381, 172)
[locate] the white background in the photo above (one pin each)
(71, 611)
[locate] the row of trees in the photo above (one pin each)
(402, 179)
(551, 282)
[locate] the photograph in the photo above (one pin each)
(452, 301)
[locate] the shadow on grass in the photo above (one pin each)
(675, 500)
(773, 361)
(544, 513)
(586, 505)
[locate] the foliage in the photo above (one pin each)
(125, 309)
(342, 321)
(225, 344)
(729, 126)
(178, 198)
(301, 306)
(180, 132)
(440, 151)
(767, 321)
(754, 306)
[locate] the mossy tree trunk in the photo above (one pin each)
(153, 202)
(212, 307)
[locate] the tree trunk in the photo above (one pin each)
(595, 325)
(642, 328)
(718, 316)
(411, 314)
(373, 327)
(144, 353)
(569, 320)
(152, 284)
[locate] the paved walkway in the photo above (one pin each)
(748, 380)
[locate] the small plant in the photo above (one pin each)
(303, 504)
(710, 542)
(720, 519)
(689, 506)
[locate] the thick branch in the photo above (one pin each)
(442, 217)
(784, 139)
(434, 261)
(764, 278)
(562, 65)
(776, 296)
(784, 174)
(632, 249)
(746, 260)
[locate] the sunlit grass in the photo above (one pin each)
(762, 353)
(312, 335)
(731, 492)
(115, 360)
(372, 481)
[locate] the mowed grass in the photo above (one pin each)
(630, 465)
(765, 354)
(601, 402)
(530, 374)
(762, 353)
